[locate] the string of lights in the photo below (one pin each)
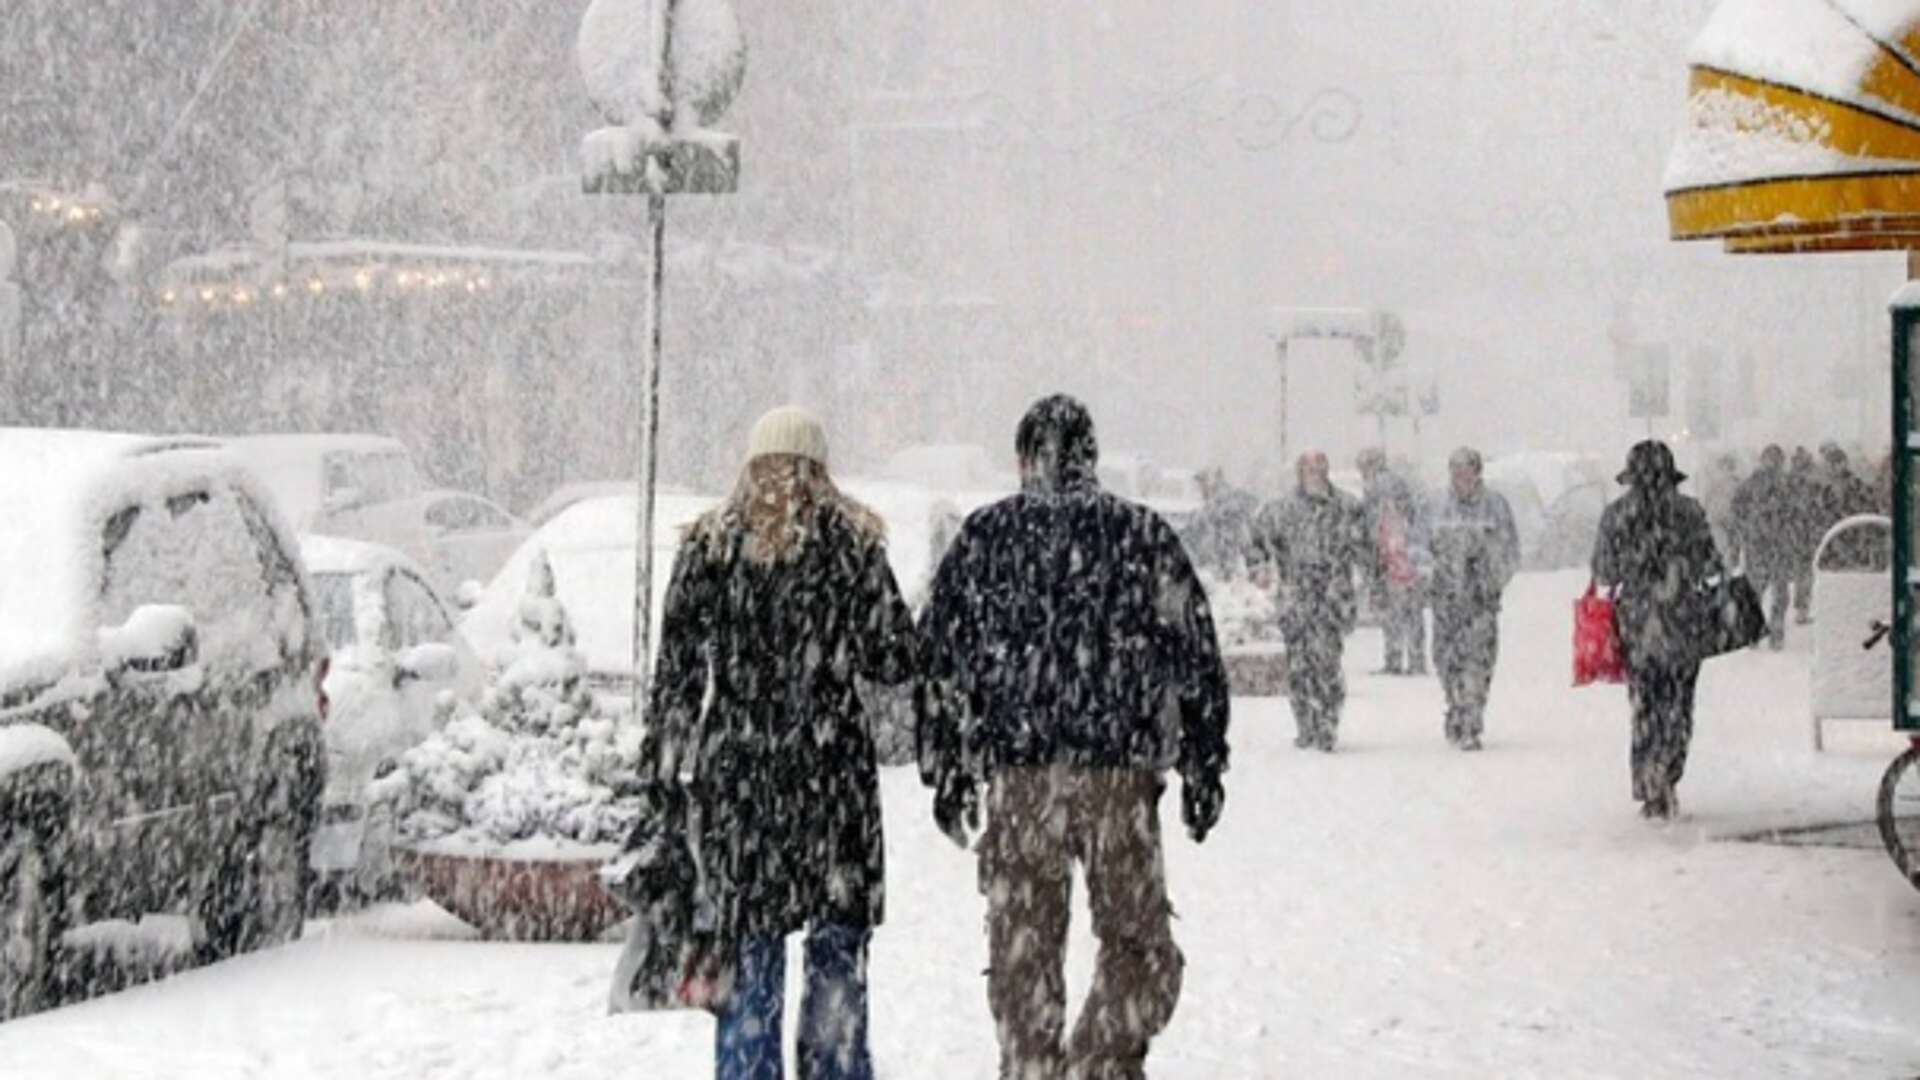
(355, 281)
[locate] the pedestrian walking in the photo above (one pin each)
(1071, 662)
(1809, 525)
(1397, 527)
(1476, 550)
(781, 599)
(1655, 545)
(1220, 534)
(1844, 494)
(1315, 542)
(1766, 536)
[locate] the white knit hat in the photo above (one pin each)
(788, 429)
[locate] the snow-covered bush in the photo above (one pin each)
(1243, 611)
(543, 759)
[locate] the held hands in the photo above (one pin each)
(1201, 798)
(956, 808)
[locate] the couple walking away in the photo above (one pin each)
(1065, 662)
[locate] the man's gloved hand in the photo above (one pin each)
(956, 808)
(1201, 798)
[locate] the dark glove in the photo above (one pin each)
(956, 808)
(1200, 800)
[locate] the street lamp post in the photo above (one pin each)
(9, 300)
(661, 70)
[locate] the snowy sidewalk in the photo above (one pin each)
(1396, 909)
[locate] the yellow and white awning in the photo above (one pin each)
(1803, 128)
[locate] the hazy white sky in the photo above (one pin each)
(1491, 169)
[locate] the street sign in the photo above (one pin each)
(618, 160)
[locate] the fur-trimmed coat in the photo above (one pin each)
(755, 696)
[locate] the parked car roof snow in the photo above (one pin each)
(61, 486)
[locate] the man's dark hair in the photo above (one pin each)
(1058, 430)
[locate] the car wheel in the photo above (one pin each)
(30, 911)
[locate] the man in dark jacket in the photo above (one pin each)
(1765, 534)
(1655, 544)
(1476, 550)
(1071, 660)
(1397, 527)
(1315, 542)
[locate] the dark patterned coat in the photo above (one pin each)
(756, 678)
(1067, 626)
(1655, 545)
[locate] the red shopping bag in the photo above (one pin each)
(1596, 641)
(1396, 555)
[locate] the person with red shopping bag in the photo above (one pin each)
(1656, 547)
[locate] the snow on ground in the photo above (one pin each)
(1396, 909)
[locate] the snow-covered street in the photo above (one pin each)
(1397, 909)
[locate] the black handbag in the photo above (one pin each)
(1727, 616)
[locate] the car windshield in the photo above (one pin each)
(333, 608)
(380, 477)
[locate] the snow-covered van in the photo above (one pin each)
(160, 703)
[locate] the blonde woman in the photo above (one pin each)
(781, 597)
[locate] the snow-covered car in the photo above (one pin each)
(365, 487)
(454, 536)
(578, 490)
(315, 476)
(160, 708)
(590, 547)
(397, 670)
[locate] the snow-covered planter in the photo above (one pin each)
(504, 815)
(1245, 620)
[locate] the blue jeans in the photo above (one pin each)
(833, 1009)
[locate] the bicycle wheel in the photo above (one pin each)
(1899, 814)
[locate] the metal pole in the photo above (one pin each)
(648, 447)
(662, 35)
(1281, 348)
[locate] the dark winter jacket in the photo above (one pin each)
(1476, 550)
(1315, 545)
(1655, 545)
(1843, 495)
(1066, 626)
(756, 674)
(1769, 522)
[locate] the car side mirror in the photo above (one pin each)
(155, 638)
(430, 662)
(468, 595)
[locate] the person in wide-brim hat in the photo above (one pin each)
(1650, 463)
(1655, 545)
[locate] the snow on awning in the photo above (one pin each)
(1803, 128)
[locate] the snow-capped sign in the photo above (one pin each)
(620, 49)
